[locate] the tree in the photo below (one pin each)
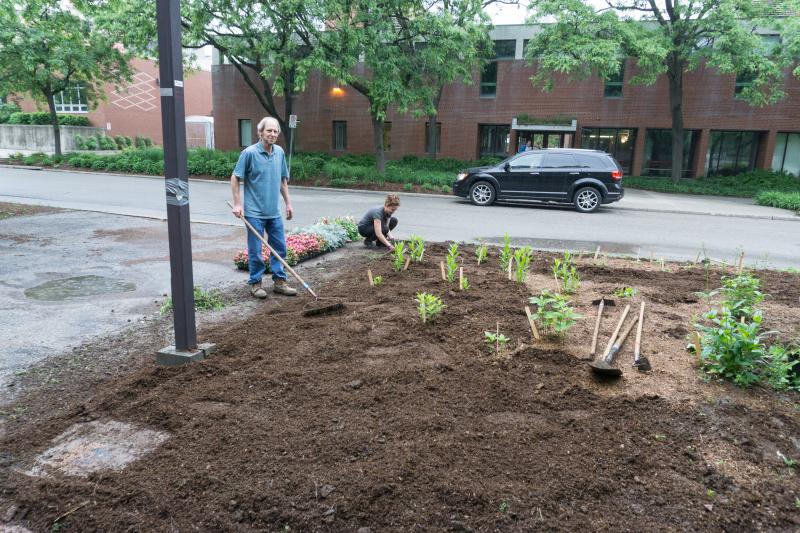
(46, 48)
(256, 38)
(668, 37)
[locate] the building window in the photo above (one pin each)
(493, 139)
(438, 136)
(613, 84)
(525, 47)
(787, 153)
(505, 49)
(72, 100)
(743, 80)
(658, 152)
(618, 142)
(387, 136)
(732, 152)
(489, 80)
(340, 135)
(245, 132)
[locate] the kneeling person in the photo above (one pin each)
(377, 223)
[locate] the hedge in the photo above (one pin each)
(42, 119)
(745, 185)
(784, 200)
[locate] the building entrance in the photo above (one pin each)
(543, 139)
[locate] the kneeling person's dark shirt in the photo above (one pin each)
(376, 213)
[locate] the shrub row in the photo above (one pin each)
(41, 118)
(746, 185)
(784, 200)
(118, 142)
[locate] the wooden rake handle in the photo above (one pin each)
(616, 330)
(275, 255)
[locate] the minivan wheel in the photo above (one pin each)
(587, 199)
(482, 193)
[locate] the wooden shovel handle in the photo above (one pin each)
(616, 330)
(597, 325)
(637, 347)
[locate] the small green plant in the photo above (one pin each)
(554, 313)
(625, 292)
(429, 306)
(377, 280)
(731, 348)
(497, 339)
(481, 252)
(566, 271)
(522, 261)
(779, 364)
(451, 262)
(505, 252)
(504, 506)
(464, 283)
(788, 461)
(797, 503)
(741, 294)
(204, 300)
(399, 256)
(416, 248)
(710, 493)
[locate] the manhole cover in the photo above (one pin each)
(77, 287)
(93, 446)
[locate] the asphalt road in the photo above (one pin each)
(679, 231)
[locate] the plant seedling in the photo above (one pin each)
(452, 262)
(522, 261)
(416, 248)
(567, 271)
(553, 313)
(429, 306)
(788, 461)
(463, 282)
(399, 256)
(481, 252)
(505, 252)
(625, 292)
(377, 280)
(498, 339)
(797, 503)
(504, 506)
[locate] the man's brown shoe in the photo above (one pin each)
(258, 291)
(281, 287)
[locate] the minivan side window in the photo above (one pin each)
(527, 161)
(559, 161)
(589, 161)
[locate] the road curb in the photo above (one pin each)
(784, 218)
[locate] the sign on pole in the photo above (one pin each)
(292, 121)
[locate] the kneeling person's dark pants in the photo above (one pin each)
(368, 232)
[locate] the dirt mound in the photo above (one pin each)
(369, 418)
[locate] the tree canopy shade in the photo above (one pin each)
(45, 49)
(668, 37)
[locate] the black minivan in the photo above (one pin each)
(584, 178)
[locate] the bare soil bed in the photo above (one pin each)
(370, 419)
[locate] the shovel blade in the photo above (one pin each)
(642, 365)
(604, 369)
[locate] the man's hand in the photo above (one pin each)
(237, 211)
(289, 212)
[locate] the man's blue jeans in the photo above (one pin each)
(276, 239)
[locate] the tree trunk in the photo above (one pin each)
(675, 77)
(51, 103)
(377, 137)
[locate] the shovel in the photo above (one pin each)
(317, 310)
(640, 363)
(602, 365)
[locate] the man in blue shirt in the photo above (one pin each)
(262, 169)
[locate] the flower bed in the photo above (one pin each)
(304, 243)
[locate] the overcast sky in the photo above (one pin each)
(502, 14)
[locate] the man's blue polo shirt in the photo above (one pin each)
(262, 174)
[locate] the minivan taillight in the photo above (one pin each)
(616, 175)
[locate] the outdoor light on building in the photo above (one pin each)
(623, 138)
(337, 91)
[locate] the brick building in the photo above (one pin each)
(135, 108)
(502, 110)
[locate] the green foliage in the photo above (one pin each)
(566, 272)
(39, 118)
(142, 142)
(451, 262)
(731, 348)
(522, 262)
(350, 226)
(463, 283)
(416, 248)
(784, 200)
(505, 252)
(497, 339)
(377, 280)
(211, 299)
(46, 47)
(399, 256)
(553, 313)
(429, 306)
(6, 110)
(746, 185)
(779, 367)
(481, 252)
(625, 292)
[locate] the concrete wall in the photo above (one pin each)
(40, 138)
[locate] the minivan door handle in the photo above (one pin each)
(574, 173)
(533, 173)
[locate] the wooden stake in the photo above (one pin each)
(510, 261)
(638, 253)
(596, 253)
(696, 259)
(405, 267)
(532, 323)
(371, 281)
(558, 283)
(741, 263)
(461, 278)
(441, 265)
(497, 340)
(698, 344)
(652, 254)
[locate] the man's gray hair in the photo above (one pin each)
(263, 124)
